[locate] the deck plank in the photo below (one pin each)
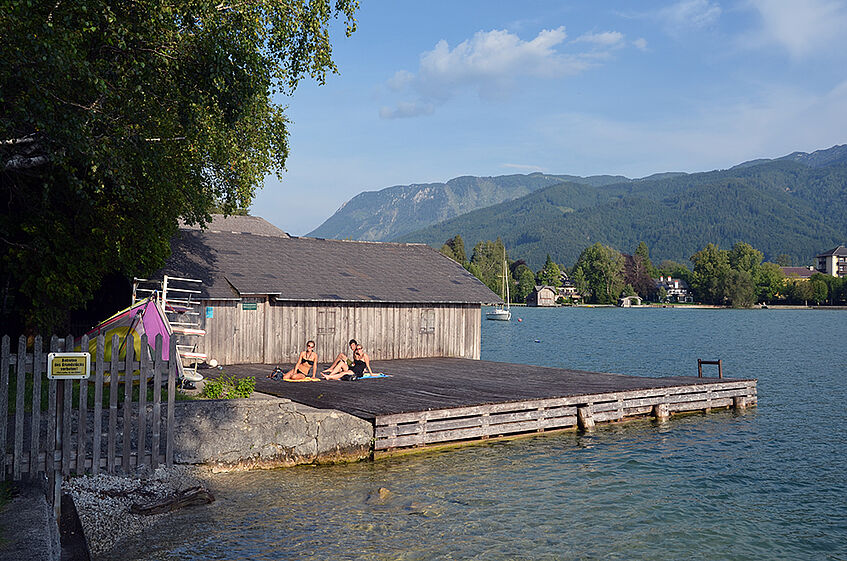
(426, 384)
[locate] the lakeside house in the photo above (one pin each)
(677, 290)
(798, 273)
(833, 262)
(264, 293)
(542, 296)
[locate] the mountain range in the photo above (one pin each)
(794, 205)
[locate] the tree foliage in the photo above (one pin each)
(454, 248)
(599, 272)
(119, 118)
(487, 260)
(736, 277)
(550, 274)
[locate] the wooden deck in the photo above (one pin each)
(437, 400)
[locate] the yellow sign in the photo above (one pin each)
(68, 366)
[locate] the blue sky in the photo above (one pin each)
(428, 91)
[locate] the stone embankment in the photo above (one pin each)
(266, 431)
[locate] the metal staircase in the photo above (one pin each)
(178, 297)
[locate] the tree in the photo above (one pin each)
(637, 275)
(454, 248)
(603, 271)
(643, 252)
(819, 287)
(710, 275)
(784, 260)
(526, 284)
(740, 291)
(770, 281)
(550, 274)
(119, 118)
(488, 262)
(580, 282)
(743, 257)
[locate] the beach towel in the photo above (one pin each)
(375, 375)
(303, 380)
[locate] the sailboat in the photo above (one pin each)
(501, 311)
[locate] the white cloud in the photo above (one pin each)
(524, 167)
(406, 109)
(640, 44)
(602, 39)
(803, 28)
(491, 62)
(689, 14)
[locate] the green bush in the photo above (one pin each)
(228, 387)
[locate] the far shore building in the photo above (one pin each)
(798, 273)
(676, 289)
(542, 296)
(629, 301)
(833, 262)
(265, 293)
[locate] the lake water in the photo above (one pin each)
(767, 483)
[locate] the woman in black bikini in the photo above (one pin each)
(308, 361)
(361, 362)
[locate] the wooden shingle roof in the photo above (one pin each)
(309, 269)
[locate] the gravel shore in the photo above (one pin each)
(103, 501)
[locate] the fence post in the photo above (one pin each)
(37, 372)
(144, 365)
(20, 390)
(5, 351)
(113, 404)
(157, 401)
(54, 477)
(81, 440)
(127, 404)
(98, 405)
(173, 358)
(65, 417)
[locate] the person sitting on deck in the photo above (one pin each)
(361, 362)
(308, 360)
(343, 358)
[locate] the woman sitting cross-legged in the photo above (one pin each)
(361, 362)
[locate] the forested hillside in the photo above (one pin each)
(386, 214)
(795, 205)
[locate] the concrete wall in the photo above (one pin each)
(266, 431)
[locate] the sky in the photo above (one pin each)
(429, 91)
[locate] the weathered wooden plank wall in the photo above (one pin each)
(276, 332)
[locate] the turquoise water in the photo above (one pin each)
(768, 483)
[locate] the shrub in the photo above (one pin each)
(228, 387)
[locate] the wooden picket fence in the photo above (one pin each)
(117, 433)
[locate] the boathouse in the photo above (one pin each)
(265, 293)
(542, 296)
